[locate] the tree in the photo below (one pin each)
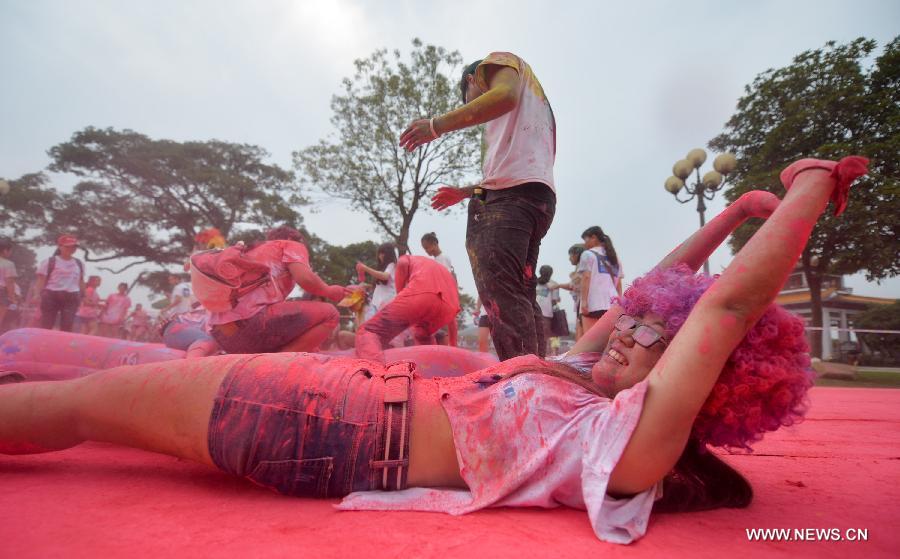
(827, 105)
(364, 163)
(886, 347)
(144, 200)
(27, 206)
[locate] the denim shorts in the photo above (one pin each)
(312, 425)
(179, 335)
(274, 326)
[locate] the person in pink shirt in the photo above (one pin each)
(90, 308)
(427, 299)
(139, 324)
(112, 319)
(263, 321)
(684, 361)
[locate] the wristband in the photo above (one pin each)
(434, 134)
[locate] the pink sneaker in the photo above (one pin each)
(844, 172)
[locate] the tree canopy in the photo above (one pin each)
(828, 103)
(363, 162)
(144, 200)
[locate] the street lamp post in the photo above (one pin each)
(704, 188)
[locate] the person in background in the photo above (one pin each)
(432, 248)
(90, 308)
(383, 292)
(112, 319)
(547, 299)
(483, 321)
(60, 282)
(574, 286)
(9, 299)
(263, 321)
(601, 275)
(427, 298)
(182, 298)
(139, 324)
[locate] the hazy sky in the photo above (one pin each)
(633, 88)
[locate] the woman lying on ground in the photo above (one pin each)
(525, 432)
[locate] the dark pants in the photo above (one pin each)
(503, 238)
(59, 303)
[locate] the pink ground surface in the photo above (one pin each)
(838, 469)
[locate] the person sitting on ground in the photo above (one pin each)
(262, 321)
(91, 307)
(686, 360)
(427, 298)
(112, 319)
(60, 284)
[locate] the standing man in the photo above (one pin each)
(513, 206)
(431, 246)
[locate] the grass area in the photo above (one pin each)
(865, 379)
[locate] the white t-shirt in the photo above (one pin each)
(184, 291)
(547, 295)
(602, 287)
(383, 293)
(66, 275)
(567, 443)
(521, 145)
(7, 271)
(444, 261)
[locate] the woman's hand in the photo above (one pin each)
(758, 203)
(447, 196)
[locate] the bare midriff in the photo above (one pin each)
(432, 452)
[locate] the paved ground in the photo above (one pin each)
(839, 469)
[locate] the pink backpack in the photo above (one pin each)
(219, 277)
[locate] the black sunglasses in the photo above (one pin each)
(643, 335)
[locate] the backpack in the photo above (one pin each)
(220, 277)
(51, 265)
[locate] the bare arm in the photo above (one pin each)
(310, 282)
(681, 380)
(377, 274)
(501, 97)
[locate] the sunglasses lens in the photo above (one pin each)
(645, 335)
(625, 322)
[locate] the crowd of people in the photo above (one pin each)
(618, 426)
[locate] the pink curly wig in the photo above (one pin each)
(764, 382)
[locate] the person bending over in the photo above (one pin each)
(427, 298)
(263, 321)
